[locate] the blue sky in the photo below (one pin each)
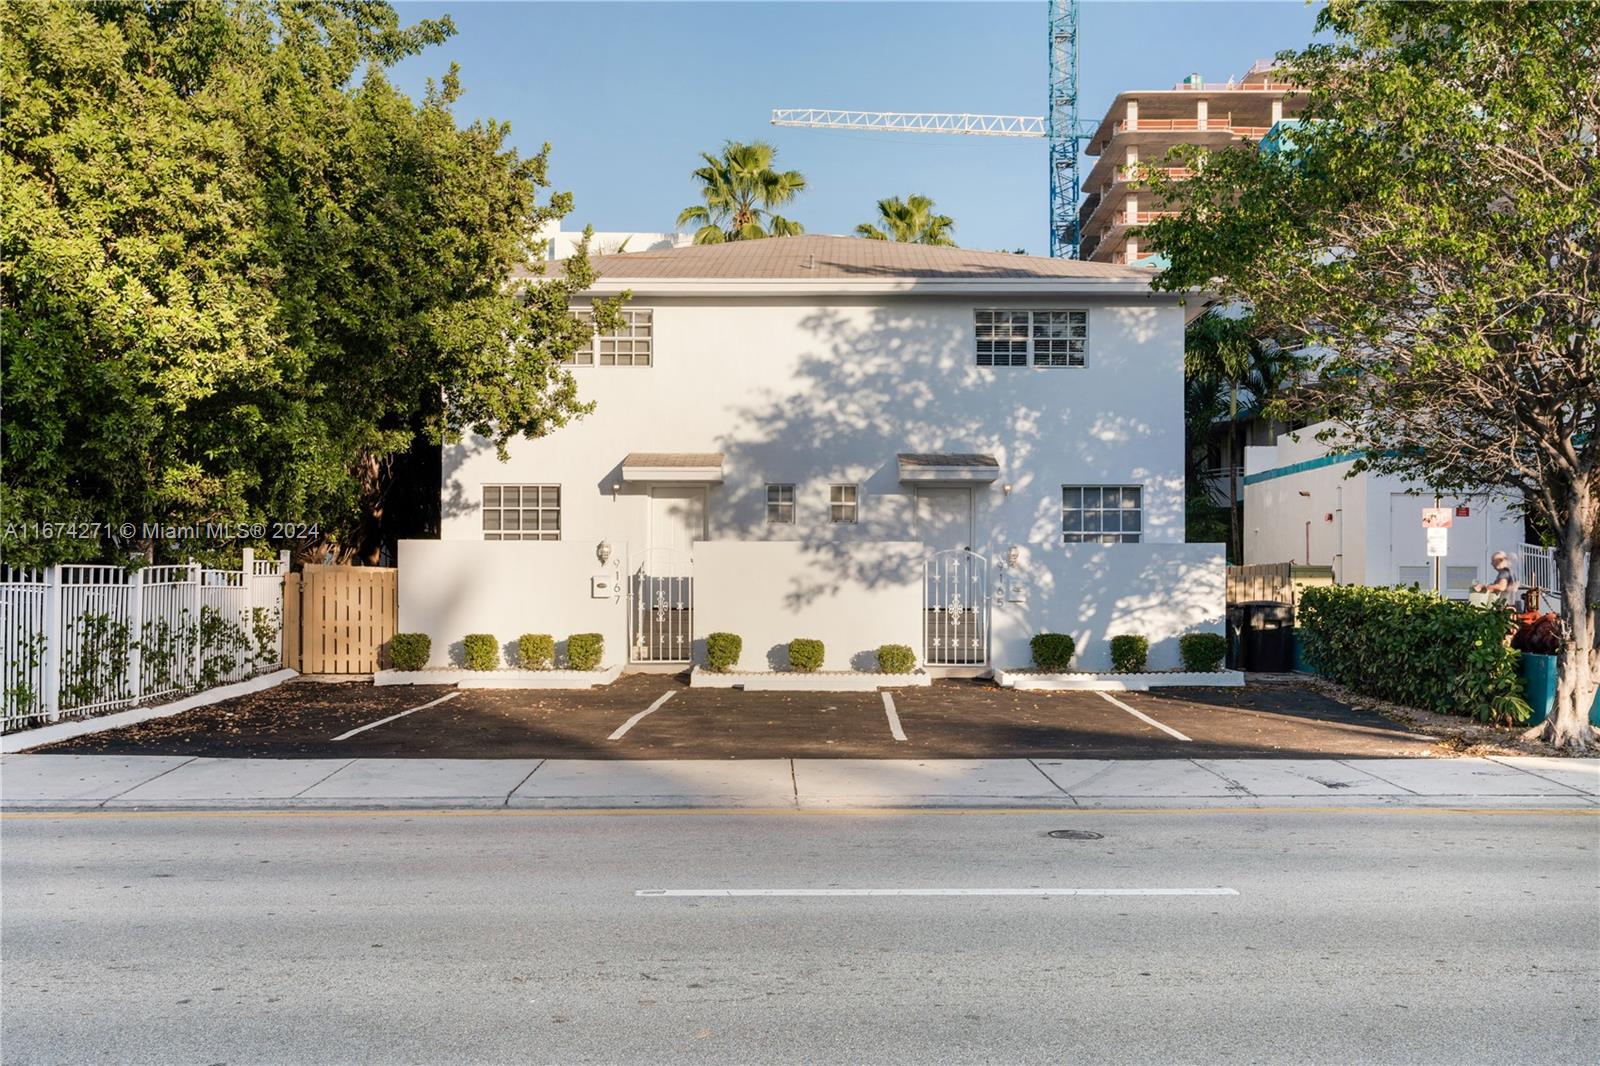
(629, 94)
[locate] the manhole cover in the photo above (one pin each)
(1074, 834)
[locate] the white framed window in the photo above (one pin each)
(780, 505)
(1102, 514)
(1043, 338)
(629, 346)
(632, 345)
(522, 512)
(843, 503)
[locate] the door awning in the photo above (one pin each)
(665, 468)
(950, 468)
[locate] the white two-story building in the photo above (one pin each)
(859, 441)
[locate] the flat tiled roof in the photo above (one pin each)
(819, 258)
(673, 459)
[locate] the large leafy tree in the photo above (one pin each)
(910, 221)
(741, 190)
(1432, 231)
(245, 278)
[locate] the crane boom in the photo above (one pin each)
(910, 121)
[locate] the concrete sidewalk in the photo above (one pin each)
(162, 782)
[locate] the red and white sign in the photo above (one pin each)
(1463, 511)
(1437, 517)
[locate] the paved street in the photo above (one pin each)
(1399, 936)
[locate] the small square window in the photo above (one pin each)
(780, 505)
(843, 503)
(1102, 514)
(521, 512)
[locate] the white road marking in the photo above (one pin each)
(730, 892)
(630, 723)
(1145, 717)
(894, 719)
(392, 717)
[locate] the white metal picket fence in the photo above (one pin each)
(1539, 568)
(81, 640)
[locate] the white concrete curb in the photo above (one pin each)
(1109, 682)
(12, 743)
(525, 679)
(775, 681)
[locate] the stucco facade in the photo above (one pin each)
(816, 384)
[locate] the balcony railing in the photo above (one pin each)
(1185, 125)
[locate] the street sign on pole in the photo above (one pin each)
(1438, 541)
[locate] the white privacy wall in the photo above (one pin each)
(1094, 592)
(451, 588)
(852, 597)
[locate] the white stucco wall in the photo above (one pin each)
(1097, 591)
(1366, 526)
(451, 588)
(793, 391)
(853, 597)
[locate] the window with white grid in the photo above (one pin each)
(1102, 514)
(780, 505)
(630, 345)
(522, 512)
(1044, 338)
(1002, 338)
(843, 503)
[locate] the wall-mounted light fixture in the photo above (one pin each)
(616, 487)
(1006, 488)
(602, 551)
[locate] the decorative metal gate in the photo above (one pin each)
(661, 608)
(955, 609)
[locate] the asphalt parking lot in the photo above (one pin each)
(655, 716)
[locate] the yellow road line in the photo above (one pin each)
(678, 812)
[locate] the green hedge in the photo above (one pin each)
(480, 651)
(1202, 652)
(409, 651)
(1129, 653)
(585, 650)
(805, 655)
(896, 659)
(1415, 648)
(1052, 652)
(536, 651)
(723, 651)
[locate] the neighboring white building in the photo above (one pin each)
(860, 441)
(560, 243)
(1301, 505)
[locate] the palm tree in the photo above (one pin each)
(910, 221)
(740, 189)
(1226, 356)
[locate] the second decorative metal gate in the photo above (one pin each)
(661, 608)
(955, 609)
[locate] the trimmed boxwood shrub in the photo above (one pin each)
(1202, 652)
(896, 659)
(805, 655)
(1129, 653)
(480, 651)
(409, 651)
(1415, 648)
(536, 651)
(1052, 652)
(585, 650)
(723, 651)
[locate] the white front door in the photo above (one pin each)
(677, 517)
(944, 518)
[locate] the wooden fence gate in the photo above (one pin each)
(336, 618)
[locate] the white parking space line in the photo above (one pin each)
(1144, 717)
(392, 717)
(894, 719)
(733, 892)
(622, 730)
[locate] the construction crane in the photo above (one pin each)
(1061, 128)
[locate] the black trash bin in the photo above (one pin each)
(1268, 636)
(1237, 616)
